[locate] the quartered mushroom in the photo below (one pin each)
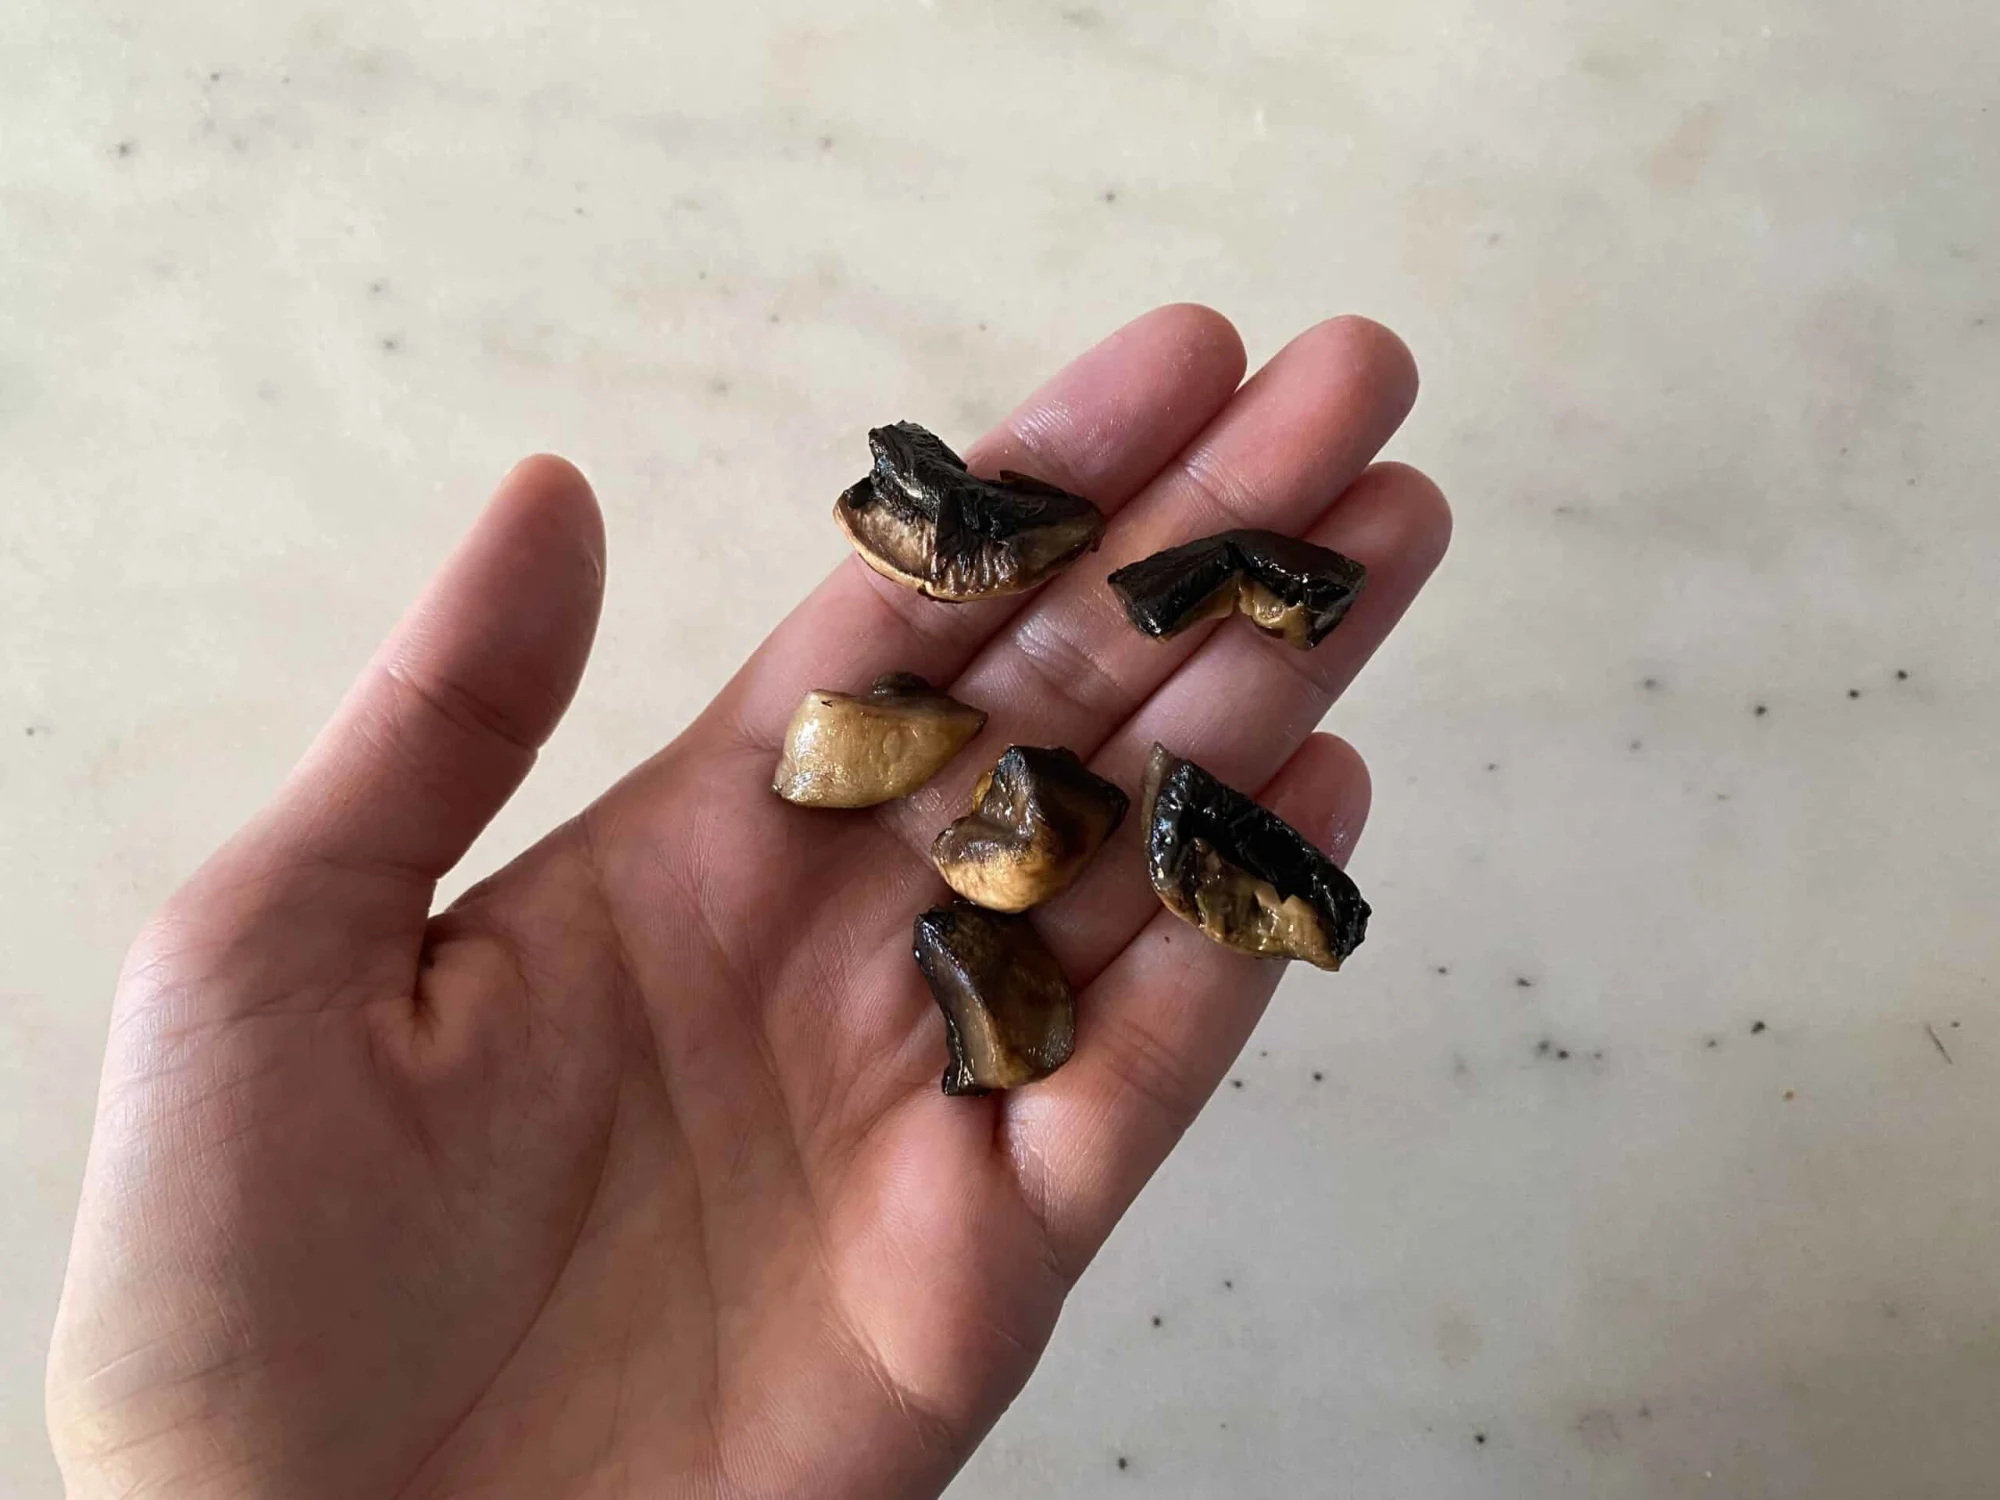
(1009, 1014)
(1037, 818)
(1288, 588)
(1240, 873)
(855, 750)
(920, 518)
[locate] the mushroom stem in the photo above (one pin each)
(849, 750)
(1009, 1014)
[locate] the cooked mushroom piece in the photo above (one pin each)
(1037, 818)
(1240, 873)
(1288, 588)
(1009, 1015)
(918, 517)
(847, 750)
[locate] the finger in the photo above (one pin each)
(1101, 428)
(1156, 1033)
(448, 716)
(1244, 703)
(1072, 668)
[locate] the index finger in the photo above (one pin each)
(1101, 428)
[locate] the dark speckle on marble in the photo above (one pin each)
(1544, 1047)
(1493, 237)
(1443, 969)
(391, 343)
(1236, 1083)
(1562, 1054)
(1636, 745)
(1124, 1462)
(826, 143)
(1902, 674)
(1318, 1076)
(1109, 195)
(701, 276)
(1761, 709)
(1493, 765)
(126, 148)
(1854, 692)
(1228, 1285)
(1712, 1043)
(773, 318)
(1758, 1028)
(1650, 684)
(1479, 1438)
(29, 731)
(377, 287)
(1157, 1320)
(1523, 982)
(718, 386)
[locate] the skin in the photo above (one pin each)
(596, 1183)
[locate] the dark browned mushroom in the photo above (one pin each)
(1037, 818)
(847, 750)
(1009, 1014)
(918, 517)
(1288, 588)
(1240, 873)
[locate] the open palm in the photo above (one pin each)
(629, 1174)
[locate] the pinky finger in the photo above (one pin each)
(1157, 1032)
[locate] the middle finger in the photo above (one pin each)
(1071, 668)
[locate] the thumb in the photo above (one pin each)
(447, 719)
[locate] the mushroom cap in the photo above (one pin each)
(1037, 818)
(1237, 871)
(857, 750)
(1286, 587)
(1009, 1014)
(920, 518)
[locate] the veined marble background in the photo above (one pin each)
(1685, 767)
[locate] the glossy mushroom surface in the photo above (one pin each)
(1286, 587)
(1009, 1014)
(1037, 818)
(920, 518)
(1237, 871)
(857, 750)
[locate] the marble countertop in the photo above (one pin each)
(1649, 1148)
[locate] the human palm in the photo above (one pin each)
(629, 1173)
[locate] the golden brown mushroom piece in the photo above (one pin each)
(847, 750)
(918, 517)
(1288, 588)
(1037, 818)
(1240, 873)
(1009, 1014)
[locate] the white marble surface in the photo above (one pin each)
(1706, 302)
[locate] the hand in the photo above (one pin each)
(629, 1174)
